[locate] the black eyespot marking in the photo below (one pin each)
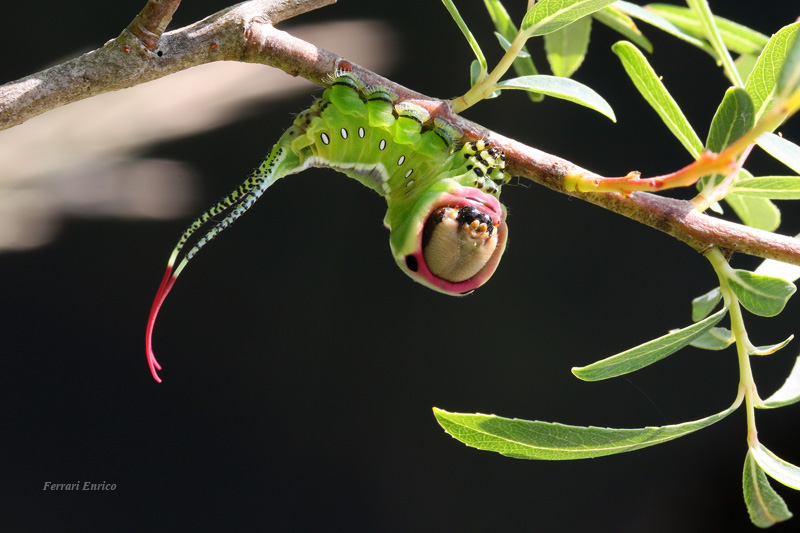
(411, 263)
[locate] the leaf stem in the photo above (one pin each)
(747, 385)
(485, 87)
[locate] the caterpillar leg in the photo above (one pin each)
(281, 161)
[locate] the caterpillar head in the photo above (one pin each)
(451, 239)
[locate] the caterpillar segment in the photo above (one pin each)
(447, 225)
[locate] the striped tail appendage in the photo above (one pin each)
(447, 225)
(278, 164)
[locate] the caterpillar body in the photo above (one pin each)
(447, 225)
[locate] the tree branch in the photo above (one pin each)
(245, 32)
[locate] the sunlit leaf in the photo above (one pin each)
(761, 295)
(769, 348)
(650, 86)
(745, 64)
(733, 118)
(762, 82)
(548, 16)
(714, 339)
(647, 353)
(563, 88)
(779, 269)
(758, 213)
(775, 467)
(711, 32)
(656, 20)
(737, 38)
(524, 439)
(775, 187)
(764, 505)
(476, 49)
(704, 304)
(624, 25)
(789, 392)
(789, 79)
(566, 48)
(781, 149)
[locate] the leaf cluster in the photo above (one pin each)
(764, 92)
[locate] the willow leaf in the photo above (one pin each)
(650, 86)
(765, 506)
(548, 16)
(563, 88)
(526, 439)
(789, 392)
(648, 353)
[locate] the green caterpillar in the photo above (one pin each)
(448, 228)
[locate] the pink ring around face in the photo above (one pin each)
(460, 196)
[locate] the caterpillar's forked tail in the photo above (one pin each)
(161, 294)
(230, 209)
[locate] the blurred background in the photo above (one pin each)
(300, 365)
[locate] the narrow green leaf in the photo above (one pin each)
(710, 31)
(548, 16)
(775, 187)
(647, 353)
(703, 305)
(624, 25)
(523, 66)
(650, 86)
(789, 392)
(745, 64)
(769, 348)
(765, 506)
(784, 151)
(761, 295)
(475, 76)
(775, 467)
(759, 213)
(714, 339)
(734, 117)
(563, 88)
(505, 44)
(789, 79)
(779, 269)
(654, 19)
(566, 48)
(524, 439)
(763, 79)
(476, 49)
(737, 38)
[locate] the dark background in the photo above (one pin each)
(301, 366)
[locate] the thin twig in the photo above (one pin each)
(151, 22)
(245, 32)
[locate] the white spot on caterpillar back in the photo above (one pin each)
(325, 139)
(361, 132)
(382, 144)
(401, 160)
(344, 133)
